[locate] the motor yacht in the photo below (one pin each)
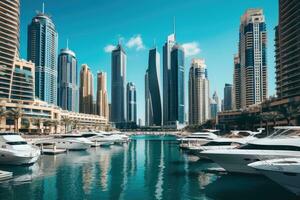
(285, 142)
(285, 172)
(14, 150)
(97, 138)
(231, 141)
(197, 139)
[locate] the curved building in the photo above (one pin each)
(152, 90)
(42, 50)
(9, 42)
(67, 81)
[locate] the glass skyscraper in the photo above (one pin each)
(42, 50)
(131, 102)
(253, 58)
(177, 88)
(167, 48)
(118, 85)
(68, 95)
(153, 110)
(228, 97)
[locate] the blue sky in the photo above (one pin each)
(208, 27)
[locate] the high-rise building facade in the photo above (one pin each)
(9, 42)
(216, 98)
(42, 50)
(118, 85)
(68, 93)
(237, 83)
(288, 49)
(167, 48)
(153, 105)
(177, 89)
(199, 103)
(228, 97)
(131, 102)
(86, 90)
(253, 58)
(213, 109)
(102, 97)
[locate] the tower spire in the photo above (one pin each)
(67, 43)
(43, 9)
(174, 25)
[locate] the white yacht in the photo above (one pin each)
(285, 142)
(197, 139)
(14, 150)
(98, 138)
(71, 142)
(234, 140)
(285, 172)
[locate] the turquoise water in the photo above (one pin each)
(149, 167)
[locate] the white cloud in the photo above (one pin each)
(191, 48)
(109, 48)
(136, 42)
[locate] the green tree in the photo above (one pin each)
(66, 121)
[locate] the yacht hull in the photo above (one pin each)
(237, 162)
(72, 146)
(290, 181)
(11, 158)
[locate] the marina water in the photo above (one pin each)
(149, 167)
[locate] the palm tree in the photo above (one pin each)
(16, 113)
(3, 113)
(55, 123)
(37, 122)
(289, 112)
(75, 123)
(66, 121)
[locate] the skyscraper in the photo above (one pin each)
(216, 98)
(42, 50)
(253, 58)
(68, 94)
(237, 83)
(167, 48)
(131, 102)
(118, 85)
(228, 97)
(102, 98)
(213, 109)
(153, 112)
(176, 96)
(86, 90)
(199, 103)
(288, 49)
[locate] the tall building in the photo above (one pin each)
(288, 49)
(213, 109)
(176, 96)
(68, 94)
(118, 85)
(228, 97)
(131, 103)
(217, 100)
(199, 103)
(167, 48)
(102, 97)
(237, 83)
(42, 50)
(9, 43)
(253, 58)
(153, 111)
(86, 90)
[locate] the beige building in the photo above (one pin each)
(86, 90)
(102, 97)
(199, 103)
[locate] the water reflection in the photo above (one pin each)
(147, 168)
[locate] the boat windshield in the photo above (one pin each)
(17, 143)
(286, 132)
